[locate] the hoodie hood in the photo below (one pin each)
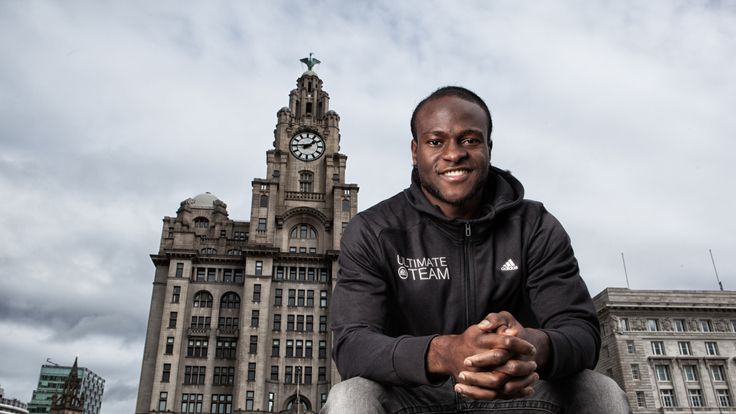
(501, 192)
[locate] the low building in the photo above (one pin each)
(670, 350)
(51, 382)
(11, 406)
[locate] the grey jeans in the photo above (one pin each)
(586, 392)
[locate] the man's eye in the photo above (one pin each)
(433, 142)
(471, 140)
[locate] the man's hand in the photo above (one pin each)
(494, 359)
(486, 364)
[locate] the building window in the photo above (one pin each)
(679, 325)
(623, 324)
(696, 397)
(166, 374)
(310, 324)
(322, 349)
(322, 374)
(300, 298)
(271, 398)
(172, 320)
(275, 348)
(238, 276)
(191, 403)
(256, 292)
(706, 325)
(197, 347)
(221, 404)
(684, 348)
(169, 345)
(303, 231)
(277, 297)
(226, 323)
(718, 373)
(288, 375)
(175, 294)
(300, 323)
(253, 346)
(200, 275)
(711, 348)
(308, 349)
(209, 251)
(277, 322)
(162, 397)
(261, 225)
(306, 180)
(234, 252)
(201, 222)
(289, 348)
(652, 325)
(345, 204)
(668, 397)
(249, 400)
(251, 371)
(259, 267)
(657, 348)
(226, 348)
(323, 323)
(663, 373)
(310, 298)
(724, 398)
(264, 201)
(292, 297)
(224, 376)
(274, 372)
(307, 375)
(279, 273)
(690, 372)
(211, 274)
(254, 318)
(289, 323)
(323, 276)
(635, 374)
(203, 299)
(641, 401)
(230, 300)
(299, 350)
(322, 298)
(194, 375)
(179, 269)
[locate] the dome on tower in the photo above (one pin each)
(204, 200)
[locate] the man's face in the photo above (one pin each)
(451, 154)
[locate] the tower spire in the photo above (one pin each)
(69, 401)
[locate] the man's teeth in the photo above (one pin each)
(455, 173)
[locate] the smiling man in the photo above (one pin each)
(458, 295)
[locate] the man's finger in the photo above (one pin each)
(489, 380)
(518, 386)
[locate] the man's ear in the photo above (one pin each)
(414, 152)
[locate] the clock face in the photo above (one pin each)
(307, 146)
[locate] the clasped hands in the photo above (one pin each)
(494, 359)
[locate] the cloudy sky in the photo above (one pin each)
(618, 115)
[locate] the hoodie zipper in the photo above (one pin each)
(469, 302)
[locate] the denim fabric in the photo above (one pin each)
(587, 392)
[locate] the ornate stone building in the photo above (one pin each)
(239, 311)
(671, 351)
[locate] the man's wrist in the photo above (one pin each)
(541, 342)
(436, 363)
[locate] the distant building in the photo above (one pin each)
(239, 312)
(11, 406)
(671, 351)
(51, 382)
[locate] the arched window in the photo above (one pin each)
(201, 222)
(306, 179)
(234, 252)
(202, 299)
(208, 250)
(303, 231)
(230, 300)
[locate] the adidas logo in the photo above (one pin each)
(509, 265)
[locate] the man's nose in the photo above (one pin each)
(454, 151)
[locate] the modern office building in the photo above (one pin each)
(671, 351)
(11, 405)
(51, 382)
(239, 312)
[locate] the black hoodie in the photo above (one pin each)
(407, 273)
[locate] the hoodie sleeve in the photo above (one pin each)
(560, 300)
(359, 312)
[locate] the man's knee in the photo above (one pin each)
(596, 392)
(355, 395)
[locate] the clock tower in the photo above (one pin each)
(239, 317)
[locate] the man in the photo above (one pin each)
(457, 295)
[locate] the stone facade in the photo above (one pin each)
(239, 313)
(671, 351)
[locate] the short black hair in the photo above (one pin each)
(459, 92)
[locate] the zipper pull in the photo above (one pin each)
(467, 229)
